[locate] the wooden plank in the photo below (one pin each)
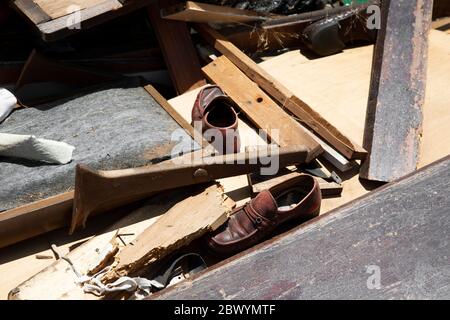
(397, 90)
(259, 107)
(342, 97)
(206, 13)
(184, 222)
(35, 218)
(399, 232)
(58, 281)
(33, 11)
(283, 95)
(59, 8)
(179, 52)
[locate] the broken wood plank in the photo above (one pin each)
(393, 126)
(207, 13)
(178, 51)
(184, 222)
(399, 232)
(100, 191)
(283, 95)
(58, 281)
(261, 110)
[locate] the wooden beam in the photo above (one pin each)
(261, 110)
(281, 94)
(32, 10)
(206, 13)
(35, 218)
(399, 232)
(393, 126)
(178, 51)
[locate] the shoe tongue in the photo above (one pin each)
(265, 204)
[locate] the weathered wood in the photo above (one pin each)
(399, 232)
(261, 110)
(283, 95)
(393, 127)
(206, 13)
(58, 281)
(72, 79)
(184, 222)
(179, 52)
(99, 191)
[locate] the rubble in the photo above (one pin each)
(161, 130)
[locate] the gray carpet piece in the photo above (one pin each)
(110, 129)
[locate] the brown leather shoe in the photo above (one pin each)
(216, 112)
(298, 198)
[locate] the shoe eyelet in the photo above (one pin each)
(258, 220)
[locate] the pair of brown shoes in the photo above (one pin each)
(216, 114)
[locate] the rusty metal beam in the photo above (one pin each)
(397, 90)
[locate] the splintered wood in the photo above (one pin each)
(178, 218)
(184, 222)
